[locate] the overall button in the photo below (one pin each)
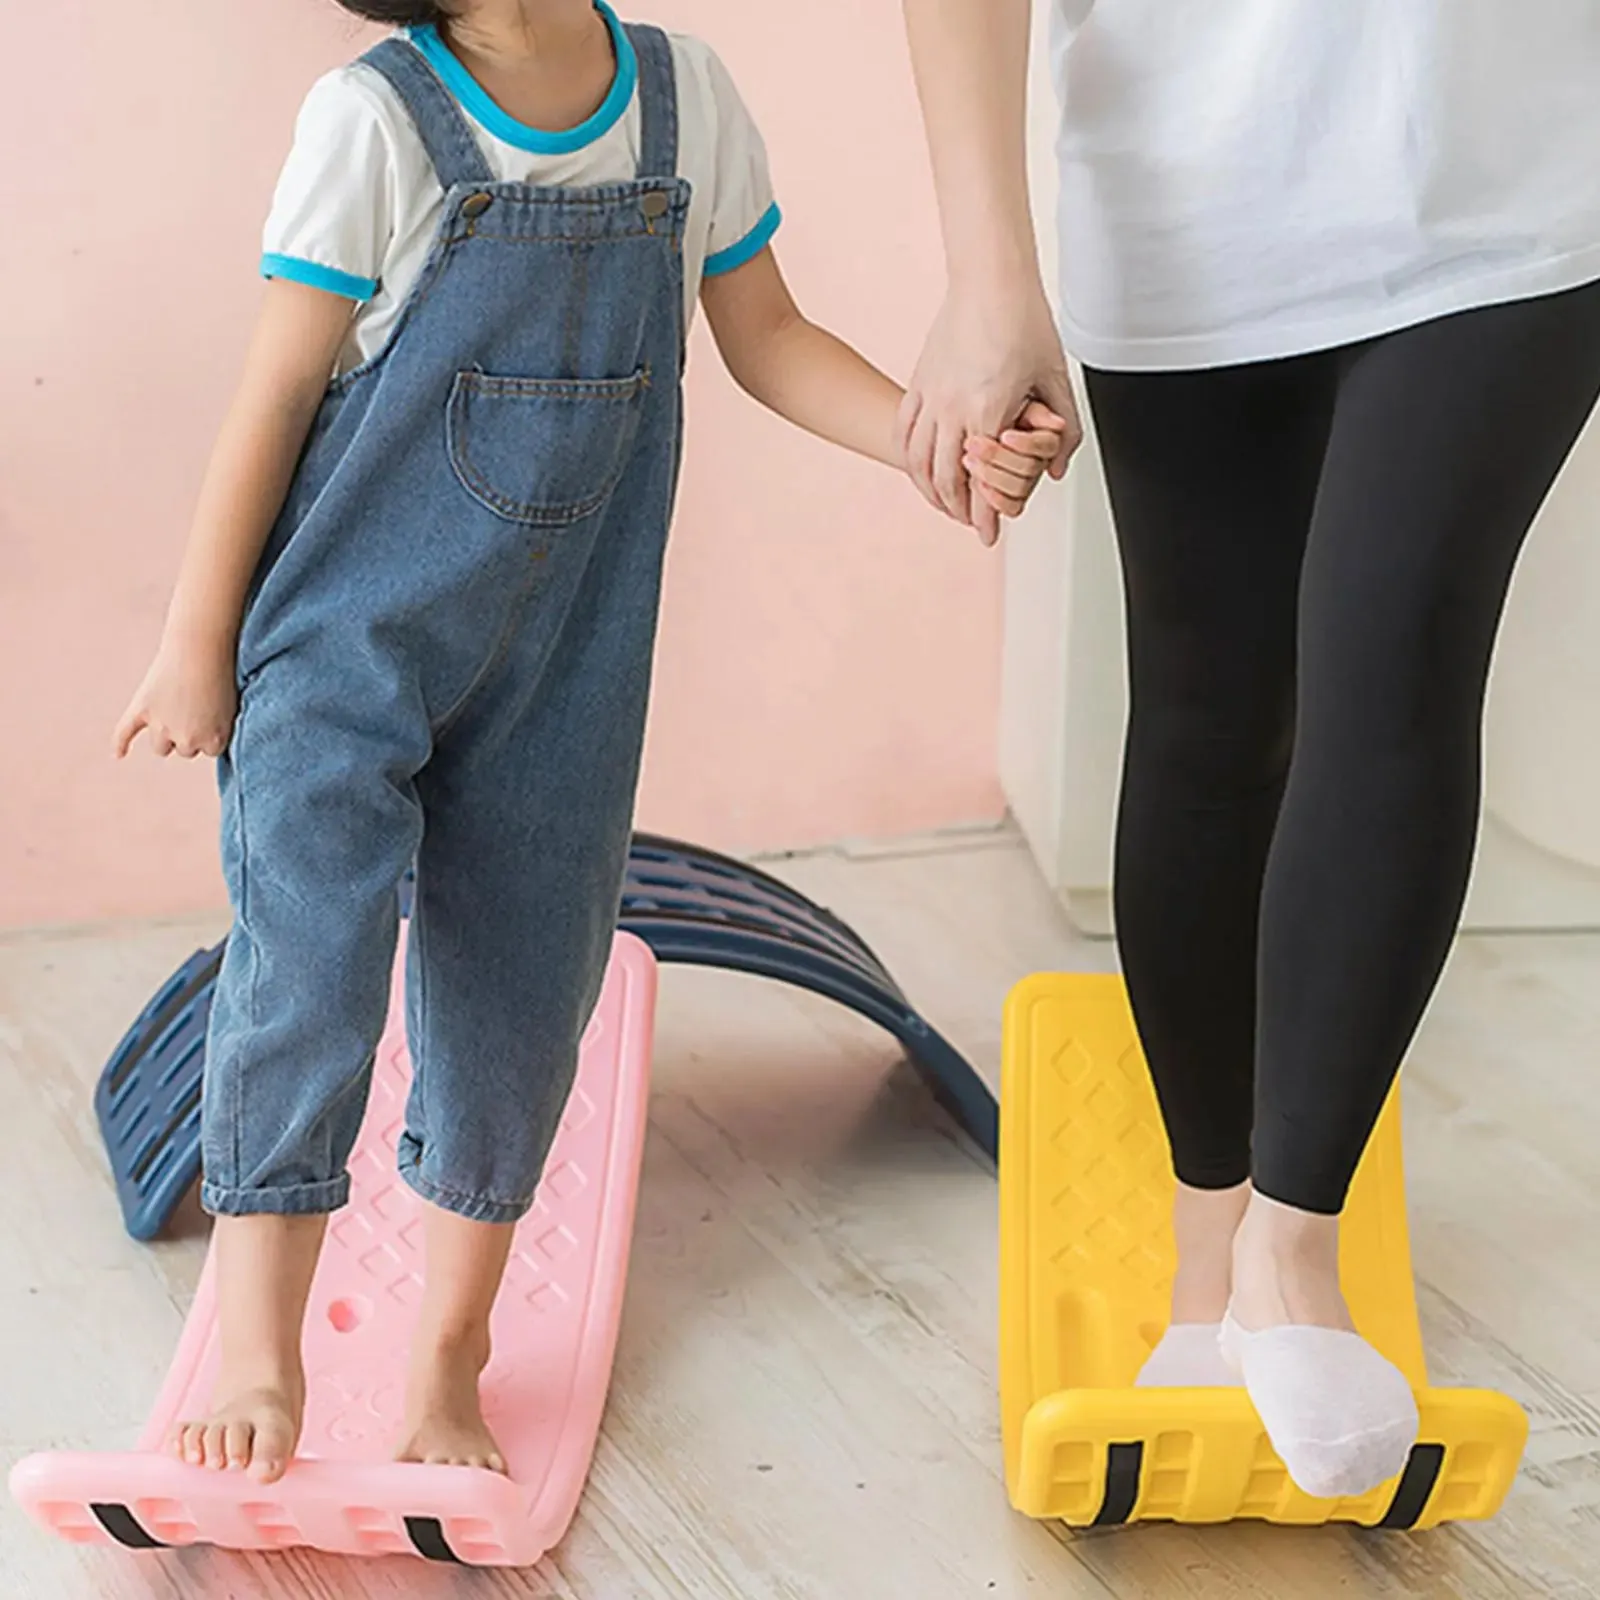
(655, 204)
(476, 204)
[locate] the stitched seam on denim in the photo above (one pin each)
(419, 934)
(428, 279)
(556, 516)
(593, 197)
(362, 1081)
(609, 390)
(658, 99)
(609, 236)
(432, 274)
(437, 117)
(460, 1194)
(236, 1087)
(339, 1185)
(496, 658)
(445, 240)
(586, 198)
(426, 282)
(477, 485)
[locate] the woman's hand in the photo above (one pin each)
(986, 357)
(186, 703)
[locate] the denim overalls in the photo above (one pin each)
(446, 660)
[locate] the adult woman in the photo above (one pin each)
(1334, 274)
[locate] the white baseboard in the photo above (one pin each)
(1516, 888)
(1519, 888)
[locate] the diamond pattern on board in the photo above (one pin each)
(368, 1167)
(1131, 1065)
(1106, 1233)
(351, 1231)
(1071, 1061)
(565, 1181)
(1074, 1140)
(558, 1243)
(547, 1297)
(1139, 1145)
(1110, 1214)
(381, 1261)
(390, 1202)
(1106, 1102)
(579, 1114)
(1071, 1257)
(406, 1290)
(1144, 1264)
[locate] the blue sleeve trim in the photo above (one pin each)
(748, 248)
(316, 276)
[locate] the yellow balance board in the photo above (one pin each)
(1086, 1264)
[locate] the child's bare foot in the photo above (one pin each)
(444, 1416)
(264, 1268)
(253, 1427)
(450, 1349)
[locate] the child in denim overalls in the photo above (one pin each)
(416, 618)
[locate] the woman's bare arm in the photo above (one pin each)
(994, 344)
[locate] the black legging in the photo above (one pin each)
(1316, 554)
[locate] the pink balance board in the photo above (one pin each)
(555, 1331)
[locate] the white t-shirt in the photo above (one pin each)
(358, 203)
(1248, 179)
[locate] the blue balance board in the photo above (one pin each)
(691, 906)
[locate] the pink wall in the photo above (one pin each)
(829, 661)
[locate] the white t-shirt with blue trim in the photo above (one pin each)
(358, 203)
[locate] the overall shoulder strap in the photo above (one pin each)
(658, 102)
(439, 121)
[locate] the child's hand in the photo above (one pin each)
(1006, 471)
(186, 703)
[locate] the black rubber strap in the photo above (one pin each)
(427, 1537)
(1416, 1485)
(1123, 1465)
(125, 1528)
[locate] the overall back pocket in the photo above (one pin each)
(542, 451)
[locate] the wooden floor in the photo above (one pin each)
(804, 1405)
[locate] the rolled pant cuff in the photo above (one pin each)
(475, 1208)
(297, 1200)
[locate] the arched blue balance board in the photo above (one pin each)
(689, 905)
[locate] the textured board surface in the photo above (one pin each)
(1086, 1270)
(148, 1099)
(555, 1327)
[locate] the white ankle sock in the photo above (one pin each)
(1188, 1357)
(1342, 1417)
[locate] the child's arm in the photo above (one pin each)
(819, 383)
(187, 701)
(797, 369)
